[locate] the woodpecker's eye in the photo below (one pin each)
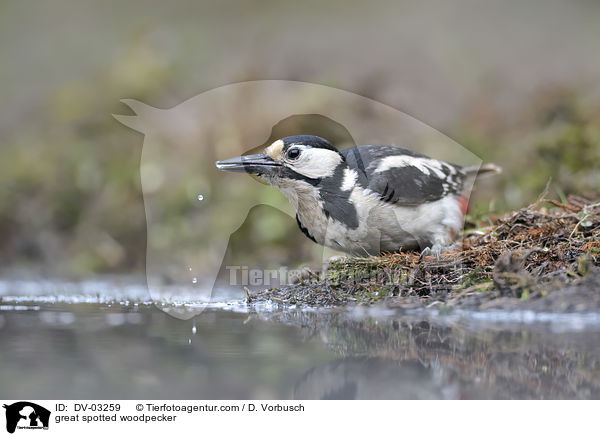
(293, 154)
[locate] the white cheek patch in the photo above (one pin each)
(350, 177)
(316, 162)
(424, 165)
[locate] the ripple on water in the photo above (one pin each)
(17, 308)
(16, 294)
(22, 296)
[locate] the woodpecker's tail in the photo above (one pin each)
(487, 169)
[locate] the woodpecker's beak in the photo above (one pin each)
(253, 164)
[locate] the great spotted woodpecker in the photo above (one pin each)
(365, 200)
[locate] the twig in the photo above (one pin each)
(561, 205)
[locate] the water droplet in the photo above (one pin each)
(189, 341)
(195, 280)
(194, 330)
(190, 268)
(200, 197)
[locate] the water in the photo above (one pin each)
(106, 340)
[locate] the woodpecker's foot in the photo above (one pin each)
(431, 251)
(437, 249)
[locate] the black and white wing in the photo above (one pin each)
(402, 176)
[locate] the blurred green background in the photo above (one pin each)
(517, 83)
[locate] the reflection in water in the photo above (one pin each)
(98, 352)
(390, 357)
(375, 378)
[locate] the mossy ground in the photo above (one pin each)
(543, 257)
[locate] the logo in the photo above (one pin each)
(26, 415)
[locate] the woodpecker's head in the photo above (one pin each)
(290, 161)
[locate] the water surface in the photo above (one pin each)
(107, 340)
